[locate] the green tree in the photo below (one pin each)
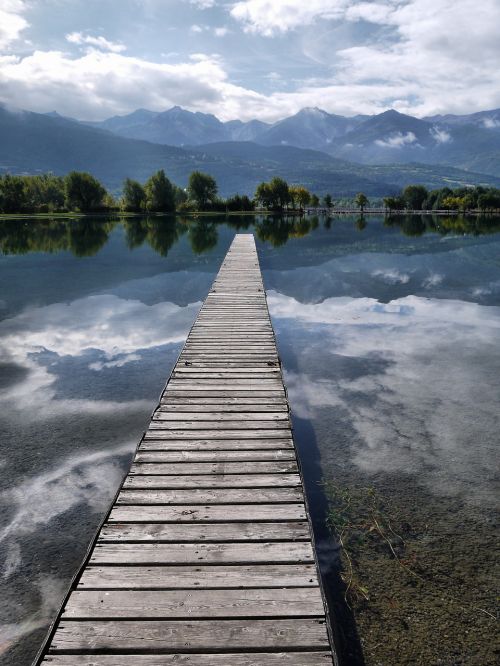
(281, 192)
(83, 191)
(134, 196)
(238, 203)
(202, 189)
(44, 193)
(265, 196)
(394, 203)
(414, 196)
(489, 200)
(12, 194)
(361, 201)
(314, 200)
(303, 197)
(180, 196)
(160, 196)
(299, 196)
(328, 201)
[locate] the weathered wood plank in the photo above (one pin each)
(206, 557)
(196, 576)
(122, 553)
(236, 659)
(158, 431)
(193, 371)
(255, 481)
(215, 392)
(176, 400)
(209, 496)
(190, 636)
(195, 468)
(216, 415)
(177, 604)
(207, 455)
(214, 444)
(205, 532)
(199, 407)
(224, 425)
(208, 513)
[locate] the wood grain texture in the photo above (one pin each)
(254, 481)
(284, 467)
(204, 532)
(235, 659)
(210, 496)
(207, 455)
(190, 636)
(195, 553)
(177, 604)
(208, 513)
(206, 558)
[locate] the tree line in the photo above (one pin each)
(82, 192)
(418, 197)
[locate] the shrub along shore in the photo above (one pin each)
(81, 193)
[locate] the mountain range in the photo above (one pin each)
(240, 155)
(470, 142)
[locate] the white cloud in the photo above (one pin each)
(440, 135)
(88, 478)
(98, 42)
(203, 4)
(111, 324)
(12, 23)
(406, 61)
(411, 411)
(97, 84)
(391, 276)
(116, 363)
(432, 280)
(434, 45)
(271, 17)
(491, 123)
(196, 28)
(116, 327)
(397, 140)
(51, 591)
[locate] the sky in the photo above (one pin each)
(265, 59)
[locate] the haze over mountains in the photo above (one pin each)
(468, 142)
(327, 153)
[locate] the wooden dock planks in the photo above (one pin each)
(206, 557)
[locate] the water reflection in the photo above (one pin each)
(388, 330)
(85, 237)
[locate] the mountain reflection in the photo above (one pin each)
(85, 237)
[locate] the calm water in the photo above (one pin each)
(389, 336)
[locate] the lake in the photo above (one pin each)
(389, 334)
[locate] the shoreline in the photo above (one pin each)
(290, 213)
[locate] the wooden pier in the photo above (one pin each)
(206, 557)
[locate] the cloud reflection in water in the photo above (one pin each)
(429, 408)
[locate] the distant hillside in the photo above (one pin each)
(34, 143)
(470, 142)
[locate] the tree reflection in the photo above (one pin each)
(82, 237)
(277, 230)
(361, 223)
(136, 231)
(87, 237)
(203, 235)
(417, 225)
(163, 233)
